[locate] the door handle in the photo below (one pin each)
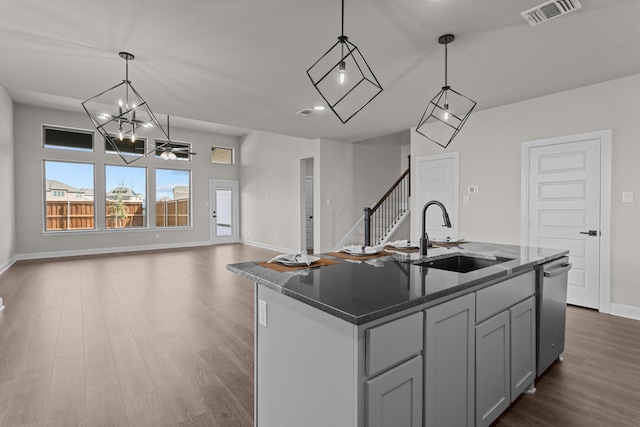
(311, 217)
(590, 232)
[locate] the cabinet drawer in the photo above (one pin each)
(502, 295)
(393, 342)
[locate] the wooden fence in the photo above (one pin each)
(134, 215)
(79, 215)
(67, 215)
(172, 213)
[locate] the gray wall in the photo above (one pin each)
(271, 189)
(347, 177)
(32, 242)
(377, 164)
(7, 183)
(490, 149)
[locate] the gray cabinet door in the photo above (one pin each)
(493, 385)
(449, 363)
(394, 398)
(523, 346)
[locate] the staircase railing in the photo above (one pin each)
(379, 219)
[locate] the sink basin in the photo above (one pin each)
(462, 263)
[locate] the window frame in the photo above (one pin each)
(190, 200)
(45, 127)
(145, 201)
(233, 155)
(65, 195)
(108, 149)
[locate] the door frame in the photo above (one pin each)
(455, 156)
(604, 305)
(235, 216)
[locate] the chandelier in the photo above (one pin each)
(344, 79)
(122, 116)
(447, 112)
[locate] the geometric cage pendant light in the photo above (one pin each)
(123, 118)
(344, 79)
(447, 112)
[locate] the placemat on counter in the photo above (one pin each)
(358, 257)
(447, 244)
(403, 250)
(284, 268)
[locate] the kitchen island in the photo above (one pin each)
(395, 341)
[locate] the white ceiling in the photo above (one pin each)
(241, 64)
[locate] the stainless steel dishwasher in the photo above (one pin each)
(551, 299)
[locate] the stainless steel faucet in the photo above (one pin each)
(424, 239)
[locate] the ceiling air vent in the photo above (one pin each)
(549, 10)
(305, 112)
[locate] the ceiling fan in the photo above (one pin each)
(171, 150)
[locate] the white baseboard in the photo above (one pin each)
(100, 251)
(628, 311)
(270, 247)
(8, 263)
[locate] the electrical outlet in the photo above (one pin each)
(465, 200)
(262, 312)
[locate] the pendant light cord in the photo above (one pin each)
(342, 18)
(445, 65)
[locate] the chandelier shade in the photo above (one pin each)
(121, 115)
(447, 112)
(344, 79)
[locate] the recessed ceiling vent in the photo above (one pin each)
(305, 112)
(549, 10)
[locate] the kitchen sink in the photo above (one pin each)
(462, 263)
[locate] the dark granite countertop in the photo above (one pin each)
(362, 291)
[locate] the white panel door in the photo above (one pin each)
(438, 180)
(564, 211)
(223, 202)
(309, 211)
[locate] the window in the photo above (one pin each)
(125, 196)
(173, 198)
(167, 150)
(67, 139)
(126, 147)
(69, 201)
(221, 155)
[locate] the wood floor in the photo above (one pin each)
(166, 339)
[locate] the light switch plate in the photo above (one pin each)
(472, 189)
(262, 313)
(627, 197)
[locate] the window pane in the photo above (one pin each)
(181, 150)
(223, 205)
(68, 139)
(125, 146)
(69, 203)
(173, 198)
(221, 155)
(126, 196)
